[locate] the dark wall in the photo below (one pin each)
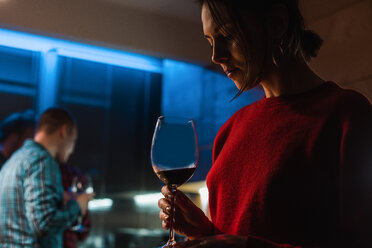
(18, 80)
(116, 108)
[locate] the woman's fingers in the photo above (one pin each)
(189, 211)
(164, 205)
(164, 213)
(165, 225)
(164, 217)
(166, 192)
(183, 202)
(189, 219)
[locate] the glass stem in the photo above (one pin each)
(80, 220)
(171, 240)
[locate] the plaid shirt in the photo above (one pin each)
(70, 238)
(32, 213)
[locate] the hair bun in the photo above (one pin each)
(311, 43)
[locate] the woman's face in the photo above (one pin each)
(226, 51)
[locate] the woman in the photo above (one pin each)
(293, 169)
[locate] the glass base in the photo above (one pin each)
(168, 245)
(79, 228)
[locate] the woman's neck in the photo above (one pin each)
(290, 79)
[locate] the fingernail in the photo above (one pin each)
(167, 209)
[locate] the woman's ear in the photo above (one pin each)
(277, 22)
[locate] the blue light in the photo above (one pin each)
(77, 50)
(18, 90)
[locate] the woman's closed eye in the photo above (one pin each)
(222, 39)
(227, 36)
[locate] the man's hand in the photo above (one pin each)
(83, 200)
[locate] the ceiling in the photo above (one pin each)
(188, 10)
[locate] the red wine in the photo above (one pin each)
(176, 176)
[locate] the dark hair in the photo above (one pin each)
(297, 42)
(16, 123)
(54, 118)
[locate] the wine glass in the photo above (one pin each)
(79, 185)
(174, 156)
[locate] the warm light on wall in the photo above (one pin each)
(146, 200)
(204, 198)
(100, 204)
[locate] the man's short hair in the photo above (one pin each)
(54, 118)
(16, 123)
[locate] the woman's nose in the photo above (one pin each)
(220, 52)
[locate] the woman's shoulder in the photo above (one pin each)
(237, 121)
(243, 113)
(237, 118)
(349, 105)
(349, 99)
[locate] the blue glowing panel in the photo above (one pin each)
(18, 65)
(223, 93)
(182, 89)
(217, 107)
(205, 96)
(77, 50)
(84, 82)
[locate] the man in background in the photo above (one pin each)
(14, 130)
(33, 213)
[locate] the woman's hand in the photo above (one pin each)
(218, 241)
(189, 219)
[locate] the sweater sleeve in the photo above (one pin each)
(356, 176)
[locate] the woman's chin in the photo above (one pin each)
(238, 82)
(240, 85)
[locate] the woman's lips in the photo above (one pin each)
(230, 72)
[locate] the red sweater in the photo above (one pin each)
(292, 171)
